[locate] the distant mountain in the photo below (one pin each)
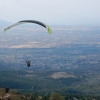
(3, 23)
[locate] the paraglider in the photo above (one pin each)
(28, 63)
(29, 21)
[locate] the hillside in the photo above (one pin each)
(46, 82)
(9, 94)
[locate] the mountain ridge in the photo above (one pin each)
(4, 23)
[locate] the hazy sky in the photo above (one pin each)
(52, 12)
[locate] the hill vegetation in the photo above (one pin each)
(10, 94)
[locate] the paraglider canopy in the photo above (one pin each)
(29, 21)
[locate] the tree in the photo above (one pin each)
(2, 92)
(34, 97)
(45, 97)
(56, 96)
(16, 97)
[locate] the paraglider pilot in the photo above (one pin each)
(28, 63)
